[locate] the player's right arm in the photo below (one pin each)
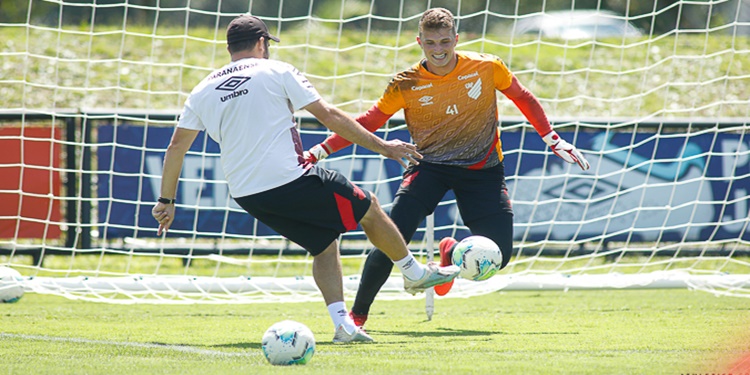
(371, 120)
(182, 139)
(347, 128)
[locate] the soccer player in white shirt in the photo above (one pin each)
(247, 107)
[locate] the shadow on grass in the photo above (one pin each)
(438, 332)
(441, 332)
(240, 345)
(449, 332)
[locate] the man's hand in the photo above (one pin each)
(164, 214)
(565, 150)
(315, 154)
(399, 150)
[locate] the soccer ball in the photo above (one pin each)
(11, 289)
(478, 257)
(288, 343)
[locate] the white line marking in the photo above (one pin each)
(178, 348)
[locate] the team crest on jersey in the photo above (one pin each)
(475, 89)
(232, 83)
(425, 100)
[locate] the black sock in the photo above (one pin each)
(376, 272)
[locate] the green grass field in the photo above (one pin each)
(575, 332)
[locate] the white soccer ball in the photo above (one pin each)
(288, 343)
(11, 285)
(478, 257)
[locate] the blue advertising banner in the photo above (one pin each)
(133, 155)
(130, 165)
(641, 186)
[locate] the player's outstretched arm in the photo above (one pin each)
(565, 150)
(342, 124)
(371, 120)
(529, 105)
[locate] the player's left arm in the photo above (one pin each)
(389, 103)
(341, 123)
(529, 105)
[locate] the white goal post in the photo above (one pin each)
(655, 95)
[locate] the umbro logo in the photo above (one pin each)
(232, 83)
(425, 100)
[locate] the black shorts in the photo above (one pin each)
(311, 211)
(479, 193)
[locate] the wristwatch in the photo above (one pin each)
(166, 200)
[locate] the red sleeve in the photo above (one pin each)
(529, 105)
(371, 120)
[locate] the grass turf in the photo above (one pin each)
(594, 332)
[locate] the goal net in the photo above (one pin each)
(655, 95)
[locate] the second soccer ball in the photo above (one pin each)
(478, 257)
(11, 285)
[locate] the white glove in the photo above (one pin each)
(565, 150)
(315, 154)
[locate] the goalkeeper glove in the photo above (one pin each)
(315, 154)
(565, 150)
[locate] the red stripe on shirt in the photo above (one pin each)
(483, 162)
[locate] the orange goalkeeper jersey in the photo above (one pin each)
(453, 118)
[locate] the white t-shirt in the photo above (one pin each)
(247, 107)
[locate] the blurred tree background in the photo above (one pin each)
(658, 16)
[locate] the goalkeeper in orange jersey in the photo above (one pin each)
(450, 107)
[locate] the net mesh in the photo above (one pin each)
(654, 94)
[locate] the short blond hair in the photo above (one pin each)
(437, 19)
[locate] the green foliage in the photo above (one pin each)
(148, 69)
(580, 332)
(662, 15)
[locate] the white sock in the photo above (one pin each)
(340, 315)
(410, 268)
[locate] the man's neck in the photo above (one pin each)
(239, 55)
(441, 70)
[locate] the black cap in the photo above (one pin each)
(246, 27)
